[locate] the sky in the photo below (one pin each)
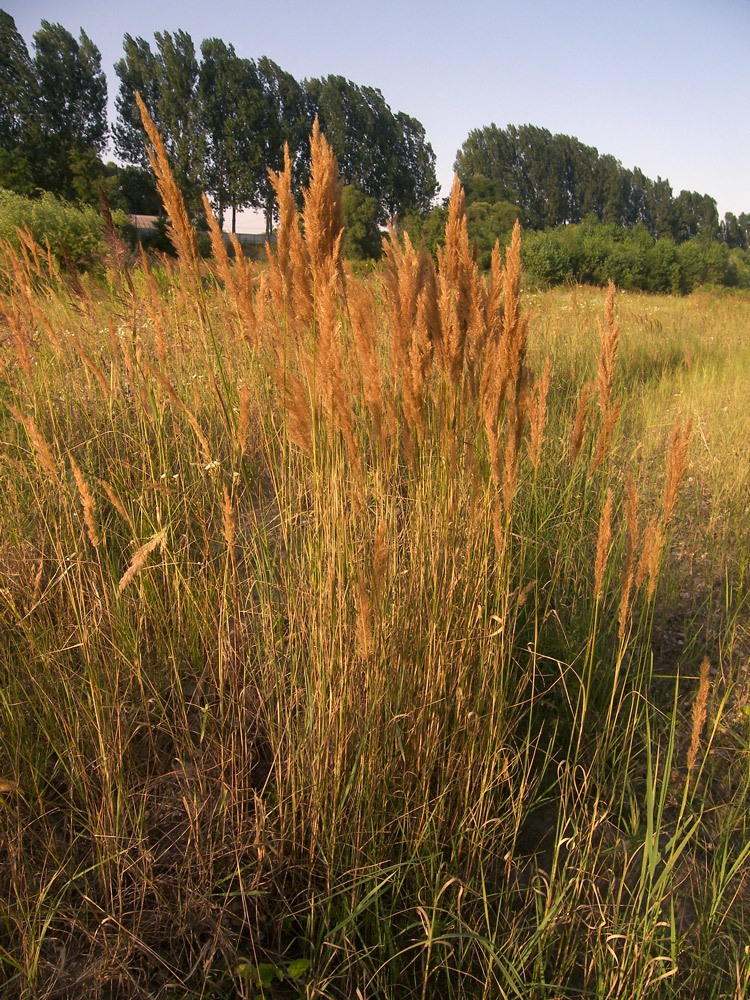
(660, 84)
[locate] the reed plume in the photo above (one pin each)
(700, 710)
(229, 522)
(649, 552)
(362, 313)
(514, 425)
(458, 287)
(41, 448)
(140, 558)
(402, 283)
(116, 250)
(299, 416)
(579, 423)
(28, 242)
(18, 334)
(494, 301)
(87, 502)
(332, 382)
(289, 268)
(609, 341)
(116, 502)
(676, 465)
(243, 289)
(238, 288)
(503, 384)
(323, 221)
(180, 232)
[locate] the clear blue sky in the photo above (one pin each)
(661, 84)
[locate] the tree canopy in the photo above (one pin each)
(226, 120)
(558, 180)
(53, 109)
(385, 154)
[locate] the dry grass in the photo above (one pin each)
(336, 652)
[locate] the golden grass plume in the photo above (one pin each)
(140, 558)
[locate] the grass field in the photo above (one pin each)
(370, 637)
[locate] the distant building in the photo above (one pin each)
(145, 226)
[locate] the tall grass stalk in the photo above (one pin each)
(336, 618)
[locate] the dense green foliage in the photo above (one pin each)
(556, 179)
(593, 220)
(53, 123)
(386, 155)
(225, 121)
(362, 238)
(595, 253)
(75, 232)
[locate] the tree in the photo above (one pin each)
(287, 121)
(610, 189)
(168, 83)
(635, 206)
(234, 113)
(486, 222)
(694, 215)
(138, 71)
(53, 120)
(70, 106)
(489, 153)
(18, 91)
(733, 233)
(659, 207)
(412, 181)
(555, 179)
(362, 238)
(385, 155)
(137, 192)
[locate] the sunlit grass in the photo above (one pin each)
(332, 665)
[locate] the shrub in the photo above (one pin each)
(362, 237)
(73, 231)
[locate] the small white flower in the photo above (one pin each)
(211, 466)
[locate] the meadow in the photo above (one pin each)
(375, 636)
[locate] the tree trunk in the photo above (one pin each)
(234, 218)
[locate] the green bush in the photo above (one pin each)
(488, 222)
(362, 237)
(545, 259)
(75, 231)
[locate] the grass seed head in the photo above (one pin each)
(700, 710)
(87, 502)
(140, 558)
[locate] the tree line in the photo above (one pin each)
(553, 180)
(224, 119)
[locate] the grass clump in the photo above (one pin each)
(330, 614)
